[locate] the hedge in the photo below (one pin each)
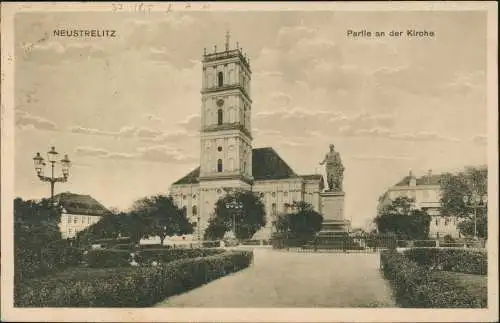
(127, 287)
(106, 258)
(417, 287)
(456, 260)
(211, 244)
(30, 263)
(424, 243)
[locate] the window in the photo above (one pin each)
(75, 219)
(273, 209)
(220, 79)
(219, 117)
(273, 194)
(69, 218)
(219, 165)
(446, 221)
(88, 219)
(437, 221)
(195, 210)
(219, 148)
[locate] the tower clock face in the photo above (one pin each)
(220, 102)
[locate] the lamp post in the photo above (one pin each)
(234, 207)
(198, 224)
(475, 201)
(40, 164)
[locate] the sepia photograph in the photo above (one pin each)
(195, 157)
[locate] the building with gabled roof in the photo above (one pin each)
(78, 212)
(227, 159)
(426, 192)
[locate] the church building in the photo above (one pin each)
(228, 161)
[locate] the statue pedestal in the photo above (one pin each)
(332, 208)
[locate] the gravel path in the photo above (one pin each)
(290, 279)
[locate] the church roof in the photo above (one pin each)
(190, 178)
(80, 204)
(266, 165)
(424, 180)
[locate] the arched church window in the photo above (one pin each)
(219, 116)
(219, 165)
(220, 78)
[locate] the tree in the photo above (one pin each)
(246, 221)
(161, 217)
(109, 226)
(470, 181)
(401, 218)
(305, 221)
(36, 231)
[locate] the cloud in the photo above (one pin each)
(333, 123)
(480, 140)
(53, 52)
(299, 46)
(382, 157)
(91, 152)
(159, 154)
(281, 98)
(124, 132)
(191, 123)
(285, 122)
(153, 118)
(27, 120)
(164, 39)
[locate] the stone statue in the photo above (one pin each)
(334, 170)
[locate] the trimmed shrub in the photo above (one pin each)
(29, 263)
(108, 258)
(416, 287)
(424, 243)
(251, 242)
(167, 255)
(155, 246)
(211, 244)
(456, 260)
(127, 287)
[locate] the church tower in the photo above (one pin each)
(225, 132)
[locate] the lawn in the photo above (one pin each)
(476, 284)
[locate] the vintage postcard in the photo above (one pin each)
(244, 162)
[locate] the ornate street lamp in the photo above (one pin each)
(40, 164)
(475, 201)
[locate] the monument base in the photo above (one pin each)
(332, 208)
(335, 229)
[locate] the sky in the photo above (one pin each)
(127, 109)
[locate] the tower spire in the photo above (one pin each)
(228, 36)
